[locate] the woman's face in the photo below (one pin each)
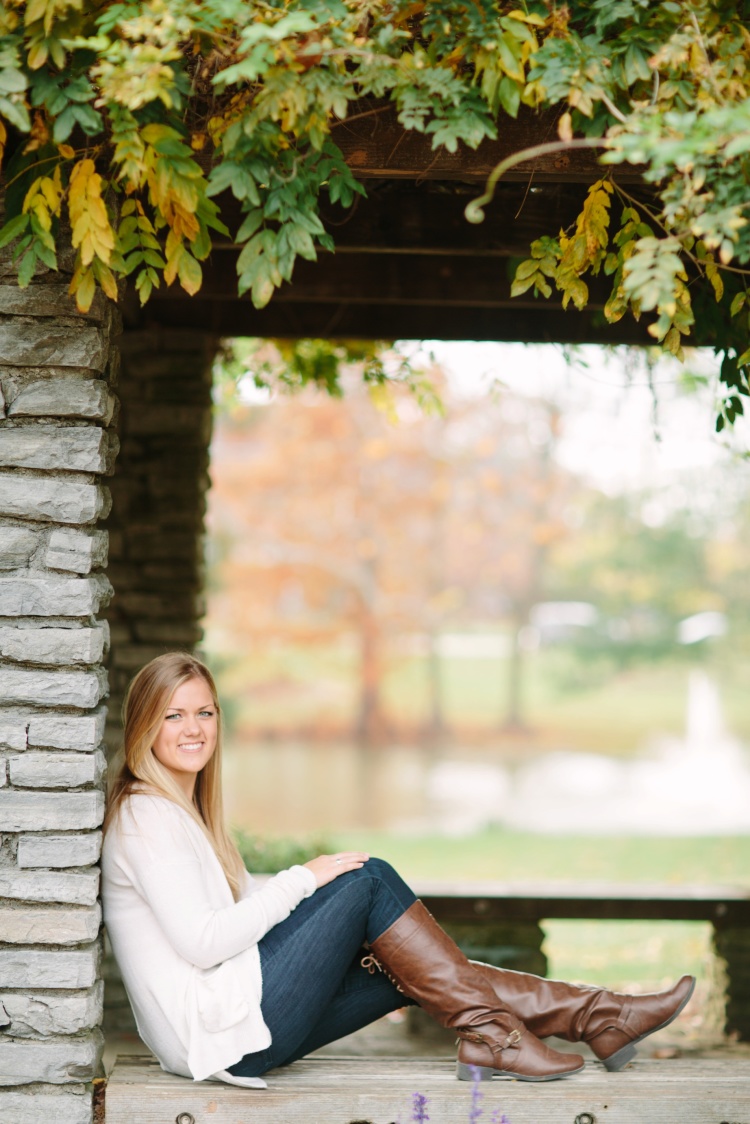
(187, 738)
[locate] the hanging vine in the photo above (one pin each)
(125, 122)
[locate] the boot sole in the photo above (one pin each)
(483, 1073)
(622, 1056)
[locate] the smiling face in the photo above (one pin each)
(187, 737)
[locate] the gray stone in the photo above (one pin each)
(85, 448)
(54, 597)
(39, 1106)
(50, 811)
(59, 850)
(2, 402)
(31, 1016)
(37, 968)
(59, 501)
(48, 300)
(26, 342)
(12, 737)
(77, 888)
(17, 544)
(67, 396)
(79, 551)
(3, 773)
(37, 924)
(57, 770)
(57, 1061)
(62, 732)
(52, 688)
(61, 646)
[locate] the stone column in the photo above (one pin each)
(156, 549)
(156, 527)
(56, 444)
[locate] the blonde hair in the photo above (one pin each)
(146, 704)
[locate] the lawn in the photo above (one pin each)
(621, 953)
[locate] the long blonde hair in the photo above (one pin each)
(146, 704)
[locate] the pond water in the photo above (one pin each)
(696, 784)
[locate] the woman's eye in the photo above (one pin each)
(207, 714)
(168, 716)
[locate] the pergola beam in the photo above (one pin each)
(376, 146)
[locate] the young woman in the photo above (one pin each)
(229, 980)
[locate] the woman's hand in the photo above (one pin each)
(327, 867)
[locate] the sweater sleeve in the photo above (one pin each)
(160, 855)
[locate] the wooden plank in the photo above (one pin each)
(724, 906)
(379, 1091)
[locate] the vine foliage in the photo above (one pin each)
(126, 121)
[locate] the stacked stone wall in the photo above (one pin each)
(57, 447)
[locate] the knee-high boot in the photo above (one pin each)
(426, 965)
(610, 1023)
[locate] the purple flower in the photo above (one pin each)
(419, 1108)
(499, 1117)
(475, 1110)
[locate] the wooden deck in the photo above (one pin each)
(346, 1090)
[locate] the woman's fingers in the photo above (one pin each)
(327, 867)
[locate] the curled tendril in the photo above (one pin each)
(474, 211)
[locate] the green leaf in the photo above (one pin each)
(12, 229)
(15, 113)
(13, 81)
(26, 268)
(252, 221)
(509, 93)
(737, 304)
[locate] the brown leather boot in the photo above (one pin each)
(426, 965)
(611, 1023)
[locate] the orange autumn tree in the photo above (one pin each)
(341, 518)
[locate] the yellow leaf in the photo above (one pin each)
(83, 287)
(106, 279)
(565, 127)
(37, 55)
(3, 140)
(66, 150)
(190, 274)
(88, 215)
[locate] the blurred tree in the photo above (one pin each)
(391, 522)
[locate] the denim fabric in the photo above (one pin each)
(314, 989)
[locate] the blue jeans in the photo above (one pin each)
(314, 988)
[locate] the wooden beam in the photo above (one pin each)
(379, 321)
(429, 218)
(439, 280)
(375, 145)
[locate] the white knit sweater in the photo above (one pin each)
(187, 951)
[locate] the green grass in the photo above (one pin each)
(519, 857)
(644, 954)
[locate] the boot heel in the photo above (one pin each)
(620, 1057)
(473, 1072)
